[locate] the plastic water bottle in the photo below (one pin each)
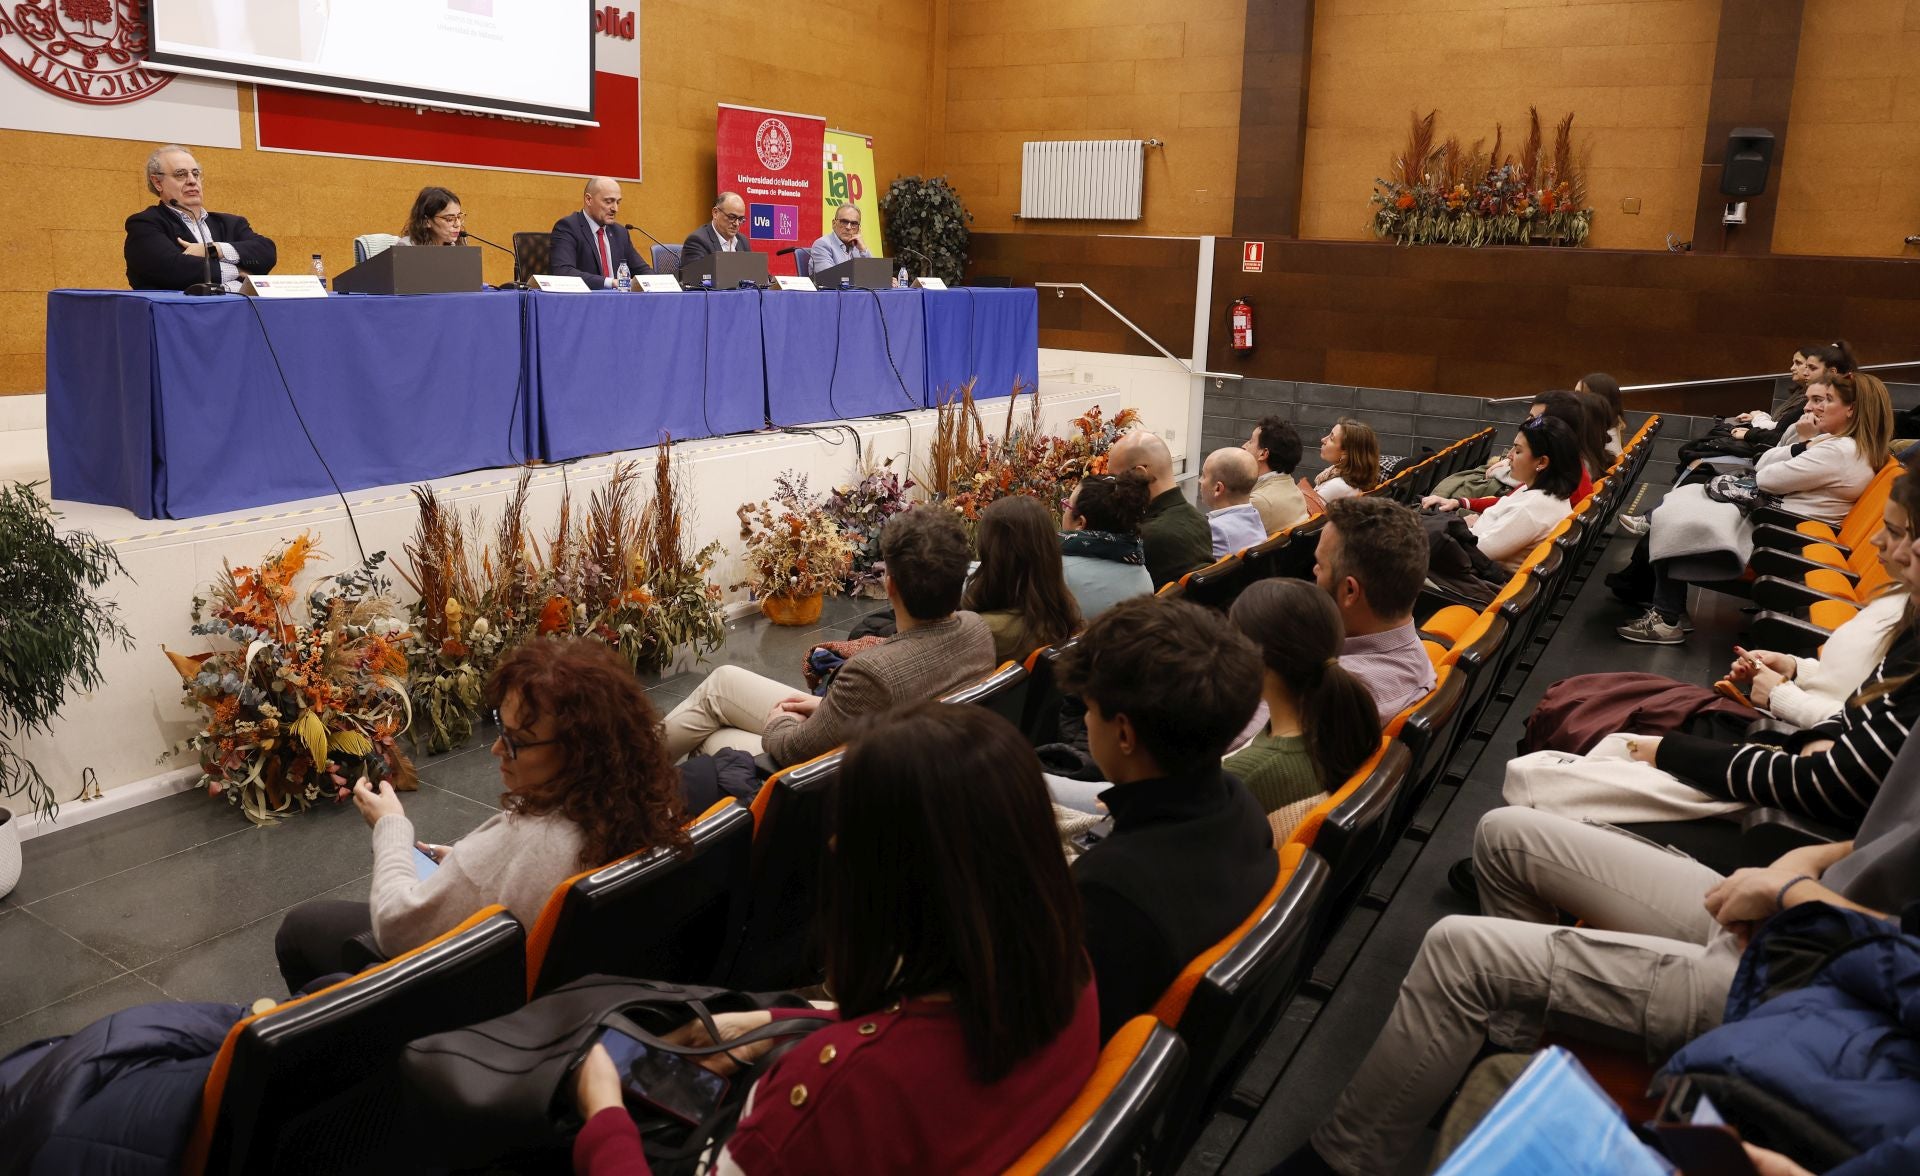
(623, 278)
(901, 280)
(320, 269)
(706, 281)
(846, 283)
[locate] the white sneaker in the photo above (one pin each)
(1634, 524)
(1652, 630)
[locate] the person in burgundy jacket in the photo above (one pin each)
(952, 933)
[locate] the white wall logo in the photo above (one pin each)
(91, 51)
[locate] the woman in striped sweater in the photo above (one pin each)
(1829, 772)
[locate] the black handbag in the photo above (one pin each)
(500, 1090)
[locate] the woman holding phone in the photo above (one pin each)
(968, 1017)
(587, 781)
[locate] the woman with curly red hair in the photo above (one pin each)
(587, 781)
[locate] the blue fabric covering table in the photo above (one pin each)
(613, 372)
(992, 334)
(843, 353)
(171, 406)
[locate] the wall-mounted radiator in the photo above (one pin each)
(1081, 179)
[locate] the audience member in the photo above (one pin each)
(1650, 965)
(1695, 537)
(592, 244)
(1321, 721)
(1608, 389)
(1543, 462)
(1226, 487)
(1175, 535)
(1167, 685)
(1561, 406)
(937, 648)
(1351, 450)
(721, 233)
(166, 246)
(1020, 589)
(1101, 553)
(968, 1020)
(1276, 450)
(586, 781)
(436, 219)
(1372, 560)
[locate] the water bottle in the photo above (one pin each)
(623, 278)
(901, 280)
(846, 283)
(706, 281)
(320, 269)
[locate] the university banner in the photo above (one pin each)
(848, 178)
(365, 128)
(773, 159)
(81, 69)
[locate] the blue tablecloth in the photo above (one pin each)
(614, 373)
(172, 407)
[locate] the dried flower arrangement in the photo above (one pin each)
(293, 710)
(860, 510)
(968, 468)
(1449, 194)
(793, 546)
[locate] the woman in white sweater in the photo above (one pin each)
(587, 781)
(1820, 478)
(1807, 691)
(1544, 461)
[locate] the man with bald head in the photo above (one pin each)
(1226, 486)
(721, 234)
(1175, 535)
(591, 244)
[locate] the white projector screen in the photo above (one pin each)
(524, 57)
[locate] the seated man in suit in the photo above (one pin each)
(844, 243)
(166, 246)
(937, 649)
(722, 233)
(591, 244)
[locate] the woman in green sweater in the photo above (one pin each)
(1321, 720)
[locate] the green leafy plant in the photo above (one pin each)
(927, 217)
(51, 629)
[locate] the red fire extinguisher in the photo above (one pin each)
(1241, 316)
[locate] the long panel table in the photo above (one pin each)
(173, 407)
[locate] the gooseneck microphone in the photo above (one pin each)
(516, 284)
(208, 284)
(672, 249)
(923, 257)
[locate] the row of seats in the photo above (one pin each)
(1826, 573)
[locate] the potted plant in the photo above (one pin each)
(795, 552)
(926, 217)
(51, 631)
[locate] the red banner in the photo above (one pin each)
(773, 159)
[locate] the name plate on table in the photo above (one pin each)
(284, 286)
(931, 283)
(657, 283)
(791, 282)
(556, 284)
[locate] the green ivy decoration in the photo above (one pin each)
(51, 629)
(927, 218)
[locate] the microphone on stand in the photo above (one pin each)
(787, 250)
(208, 284)
(673, 250)
(516, 284)
(923, 257)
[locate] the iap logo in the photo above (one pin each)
(773, 222)
(91, 51)
(843, 186)
(773, 143)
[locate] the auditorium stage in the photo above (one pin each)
(124, 730)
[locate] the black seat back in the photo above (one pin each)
(776, 944)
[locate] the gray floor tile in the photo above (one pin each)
(40, 965)
(238, 966)
(474, 777)
(78, 1011)
(71, 857)
(144, 914)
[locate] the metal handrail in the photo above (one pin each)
(1131, 326)
(1870, 367)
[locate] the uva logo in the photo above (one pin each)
(773, 143)
(92, 51)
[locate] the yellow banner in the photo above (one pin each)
(848, 177)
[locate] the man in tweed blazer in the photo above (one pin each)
(938, 649)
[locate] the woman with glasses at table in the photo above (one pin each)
(436, 219)
(587, 781)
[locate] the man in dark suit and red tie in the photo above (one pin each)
(591, 244)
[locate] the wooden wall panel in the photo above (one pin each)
(1151, 280)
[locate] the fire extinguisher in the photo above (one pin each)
(1241, 316)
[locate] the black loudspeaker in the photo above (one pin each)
(1749, 156)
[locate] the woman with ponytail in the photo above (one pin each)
(1321, 720)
